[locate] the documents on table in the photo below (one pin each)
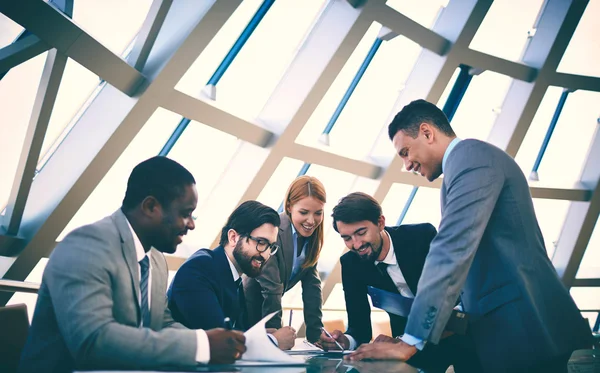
(260, 348)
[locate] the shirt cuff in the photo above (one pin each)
(202, 347)
(273, 339)
(351, 341)
(413, 341)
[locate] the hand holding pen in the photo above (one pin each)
(334, 341)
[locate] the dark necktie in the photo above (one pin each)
(382, 268)
(145, 273)
(239, 323)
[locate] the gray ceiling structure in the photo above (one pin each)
(44, 199)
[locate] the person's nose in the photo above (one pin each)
(191, 224)
(356, 243)
(311, 219)
(266, 254)
(408, 164)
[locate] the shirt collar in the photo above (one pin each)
(390, 258)
(234, 271)
(139, 248)
(449, 150)
(294, 233)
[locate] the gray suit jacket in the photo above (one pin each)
(489, 251)
(263, 294)
(87, 314)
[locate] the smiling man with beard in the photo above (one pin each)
(391, 259)
(208, 286)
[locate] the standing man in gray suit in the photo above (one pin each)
(102, 302)
(489, 251)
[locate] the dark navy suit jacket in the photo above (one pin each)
(411, 245)
(203, 292)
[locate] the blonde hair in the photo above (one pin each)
(307, 186)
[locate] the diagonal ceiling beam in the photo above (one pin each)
(20, 51)
(58, 31)
(107, 127)
(34, 138)
(204, 112)
(555, 28)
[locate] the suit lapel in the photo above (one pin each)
(128, 249)
(404, 258)
(287, 243)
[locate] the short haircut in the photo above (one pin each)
(356, 207)
(411, 116)
(159, 177)
(247, 217)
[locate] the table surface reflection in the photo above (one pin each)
(314, 364)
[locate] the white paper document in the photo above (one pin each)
(260, 348)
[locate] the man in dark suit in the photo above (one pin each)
(387, 258)
(102, 302)
(489, 251)
(208, 286)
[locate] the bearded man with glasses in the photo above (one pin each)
(207, 289)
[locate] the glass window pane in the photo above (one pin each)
(394, 203)
(578, 119)
(423, 12)
(255, 72)
(221, 181)
(586, 298)
(274, 191)
(108, 194)
(114, 23)
(377, 90)
(584, 46)
(590, 264)
(27, 298)
(76, 86)
(497, 38)
(537, 130)
(551, 214)
(205, 65)
(476, 113)
(425, 207)
(18, 88)
(9, 30)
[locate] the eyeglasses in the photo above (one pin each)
(263, 245)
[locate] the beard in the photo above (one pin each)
(245, 261)
(370, 258)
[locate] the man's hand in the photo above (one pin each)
(385, 338)
(286, 337)
(329, 343)
(226, 346)
(383, 351)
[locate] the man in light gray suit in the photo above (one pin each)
(102, 302)
(489, 251)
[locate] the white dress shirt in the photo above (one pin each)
(202, 345)
(393, 270)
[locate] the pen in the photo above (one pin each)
(227, 322)
(329, 335)
(291, 313)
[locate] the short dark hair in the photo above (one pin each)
(247, 217)
(356, 207)
(160, 177)
(411, 116)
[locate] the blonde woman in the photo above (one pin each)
(300, 239)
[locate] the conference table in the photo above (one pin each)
(314, 364)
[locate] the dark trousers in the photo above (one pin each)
(555, 365)
(456, 350)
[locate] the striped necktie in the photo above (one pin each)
(145, 274)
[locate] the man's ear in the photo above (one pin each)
(381, 222)
(151, 207)
(427, 131)
(233, 237)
